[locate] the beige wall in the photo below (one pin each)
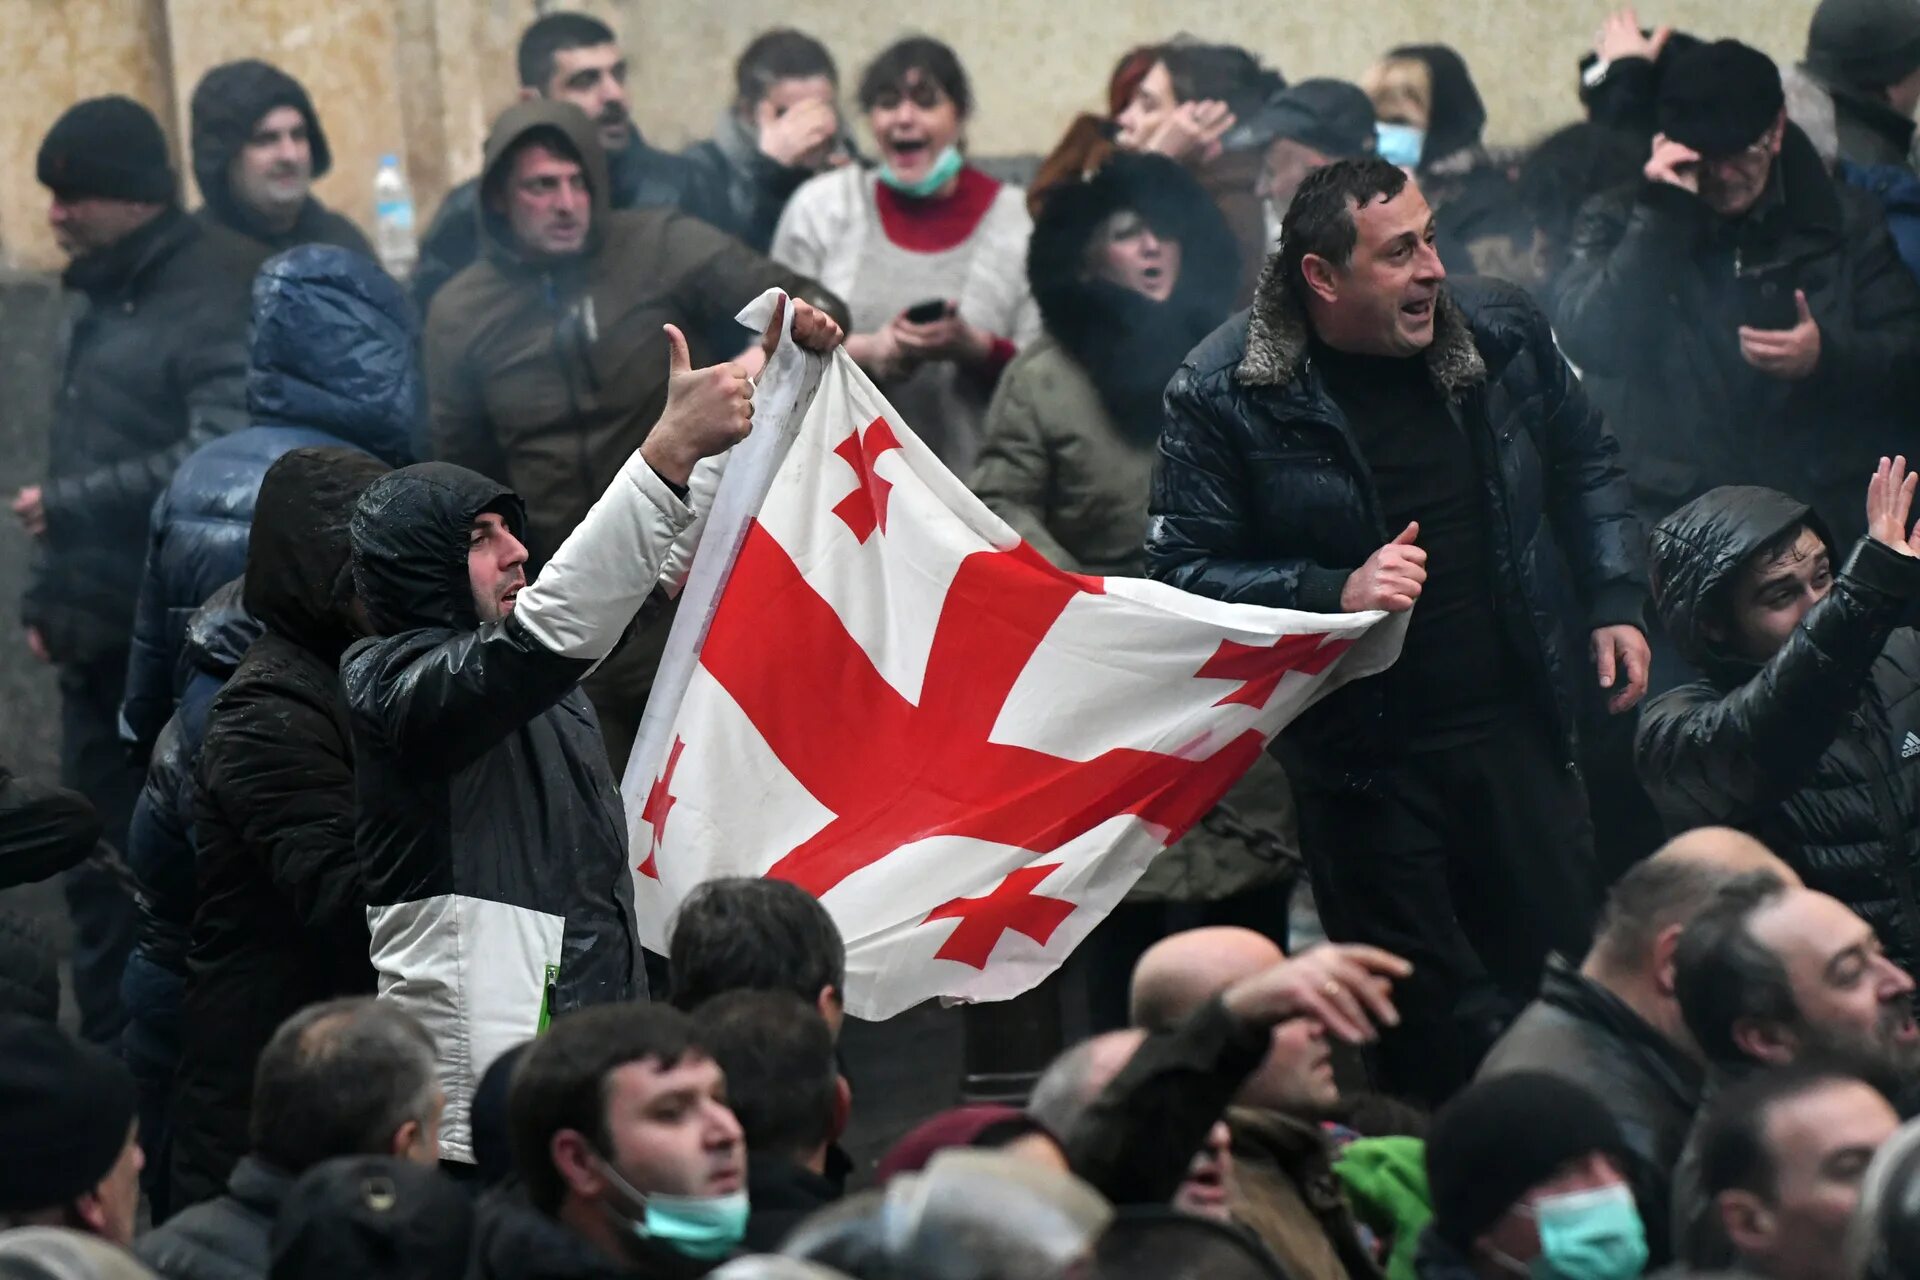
(422, 77)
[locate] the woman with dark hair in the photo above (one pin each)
(1131, 269)
(1182, 108)
(927, 250)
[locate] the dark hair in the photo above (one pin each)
(1569, 167)
(932, 59)
(738, 933)
(1219, 72)
(556, 33)
(780, 54)
(1320, 219)
(1734, 1153)
(1723, 976)
(339, 1079)
(561, 1082)
(1653, 896)
(777, 1052)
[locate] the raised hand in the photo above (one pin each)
(1348, 989)
(1620, 37)
(1889, 503)
(1674, 163)
(1391, 579)
(1192, 129)
(708, 410)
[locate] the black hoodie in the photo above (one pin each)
(280, 920)
(1817, 750)
(228, 102)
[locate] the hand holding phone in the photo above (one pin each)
(929, 311)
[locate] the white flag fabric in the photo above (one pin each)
(876, 690)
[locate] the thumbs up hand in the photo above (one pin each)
(708, 412)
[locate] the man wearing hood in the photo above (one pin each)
(571, 57)
(489, 824)
(257, 148)
(1370, 435)
(1866, 53)
(546, 360)
(154, 366)
(1805, 729)
(1741, 317)
(280, 908)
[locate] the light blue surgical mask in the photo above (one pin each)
(1587, 1235)
(705, 1228)
(943, 171)
(1400, 144)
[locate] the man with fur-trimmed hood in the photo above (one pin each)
(1366, 438)
(257, 148)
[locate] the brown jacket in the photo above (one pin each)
(546, 375)
(1285, 1192)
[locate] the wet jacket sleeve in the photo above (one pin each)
(282, 779)
(720, 275)
(444, 700)
(1868, 354)
(1623, 256)
(43, 830)
(1200, 536)
(1014, 474)
(1708, 758)
(1588, 499)
(210, 380)
(1136, 1141)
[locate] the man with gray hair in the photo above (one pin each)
(346, 1077)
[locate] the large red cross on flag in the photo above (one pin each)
(876, 690)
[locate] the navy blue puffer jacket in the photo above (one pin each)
(332, 361)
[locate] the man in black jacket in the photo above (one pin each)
(1866, 53)
(1362, 403)
(280, 904)
(347, 1077)
(1805, 729)
(1613, 1025)
(155, 366)
(1741, 317)
(574, 58)
(257, 148)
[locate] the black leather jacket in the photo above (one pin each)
(1261, 495)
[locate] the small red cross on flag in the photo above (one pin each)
(876, 690)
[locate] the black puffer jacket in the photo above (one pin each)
(1650, 308)
(1261, 496)
(228, 102)
(155, 367)
(280, 917)
(1581, 1032)
(1816, 752)
(639, 177)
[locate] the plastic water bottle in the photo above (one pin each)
(393, 219)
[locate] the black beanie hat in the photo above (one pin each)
(65, 1112)
(1501, 1137)
(111, 148)
(1719, 98)
(1864, 44)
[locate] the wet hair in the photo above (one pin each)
(1320, 219)
(1219, 72)
(1723, 976)
(778, 1055)
(561, 1082)
(780, 54)
(1734, 1153)
(339, 1079)
(556, 34)
(900, 60)
(740, 933)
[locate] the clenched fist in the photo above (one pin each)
(1391, 578)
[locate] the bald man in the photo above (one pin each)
(1282, 1162)
(1614, 1026)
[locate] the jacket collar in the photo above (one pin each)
(1278, 335)
(1571, 991)
(259, 1185)
(117, 269)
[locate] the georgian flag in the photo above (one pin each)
(875, 689)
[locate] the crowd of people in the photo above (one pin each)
(355, 588)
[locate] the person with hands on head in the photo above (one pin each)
(1366, 394)
(489, 824)
(1805, 726)
(1620, 75)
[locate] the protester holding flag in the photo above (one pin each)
(488, 827)
(1368, 438)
